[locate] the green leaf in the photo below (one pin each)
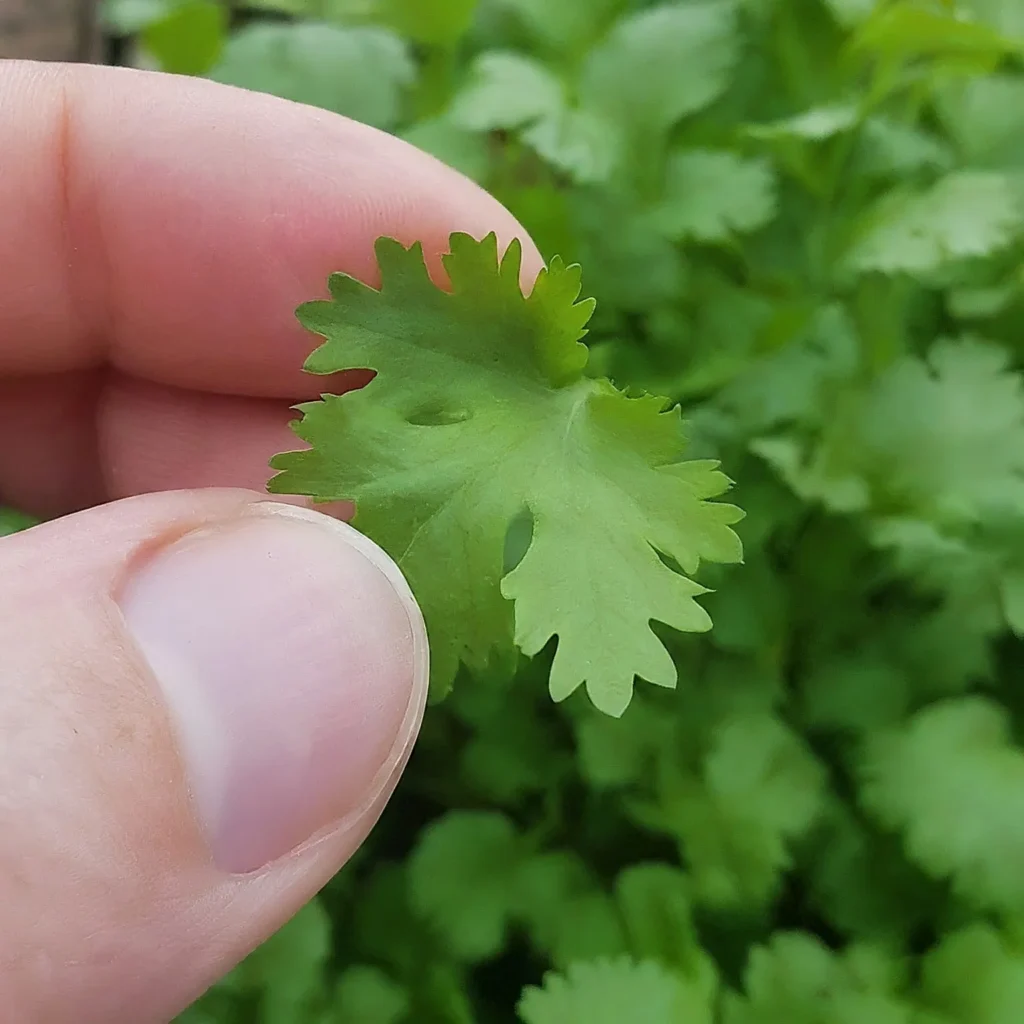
(888, 148)
(568, 25)
(366, 995)
(944, 438)
(953, 783)
(711, 194)
(190, 38)
(481, 377)
(506, 90)
(432, 22)
(966, 215)
(1006, 16)
(13, 521)
(864, 886)
(359, 72)
(575, 141)
(908, 29)
(975, 976)
(125, 17)
(654, 900)
(985, 117)
(542, 887)
(588, 927)
(759, 790)
(815, 125)
(796, 979)
(459, 880)
(465, 151)
(620, 752)
(287, 970)
(659, 65)
(1012, 594)
(613, 992)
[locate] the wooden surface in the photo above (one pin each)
(48, 29)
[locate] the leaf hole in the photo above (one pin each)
(518, 539)
(436, 414)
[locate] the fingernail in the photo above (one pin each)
(292, 659)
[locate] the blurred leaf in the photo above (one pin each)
(434, 22)
(359, 72)
(506, 90)
(614, 991)
(458, 880)
(190, 38)
(967, 214)
(951, 781)
(366, 995)
(709, 195)
(661, 64)
(13, 521)
(126, 17)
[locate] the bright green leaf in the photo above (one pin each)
(975, 976)
(433, 22)
(190, 38)
(483, 377)
(614, 992)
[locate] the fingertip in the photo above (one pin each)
(195, 217)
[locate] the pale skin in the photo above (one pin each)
(156, 235)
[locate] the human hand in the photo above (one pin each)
(206, 698)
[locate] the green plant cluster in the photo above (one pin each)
(803, 221)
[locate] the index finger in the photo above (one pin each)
(169, 226)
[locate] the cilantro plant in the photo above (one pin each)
(803, 224)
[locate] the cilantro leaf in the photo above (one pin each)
(477, 413)
(967, 214)
(358, 71)
(953, 783)
(815, 125)
(985, 117)
(506, 90)
(654, 901)
(616, 991)
(796, 979)
(458, 880)
(656, 66)
(509, 91)
(939, 439)
(366, 995)
(710, 194)
(286, 972)
(975, 976)
(568, 25)
(759, 789)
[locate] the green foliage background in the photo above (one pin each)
(802, 219)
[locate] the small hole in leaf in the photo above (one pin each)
(436, 415)
(518, 539)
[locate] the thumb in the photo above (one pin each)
(206, 699)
